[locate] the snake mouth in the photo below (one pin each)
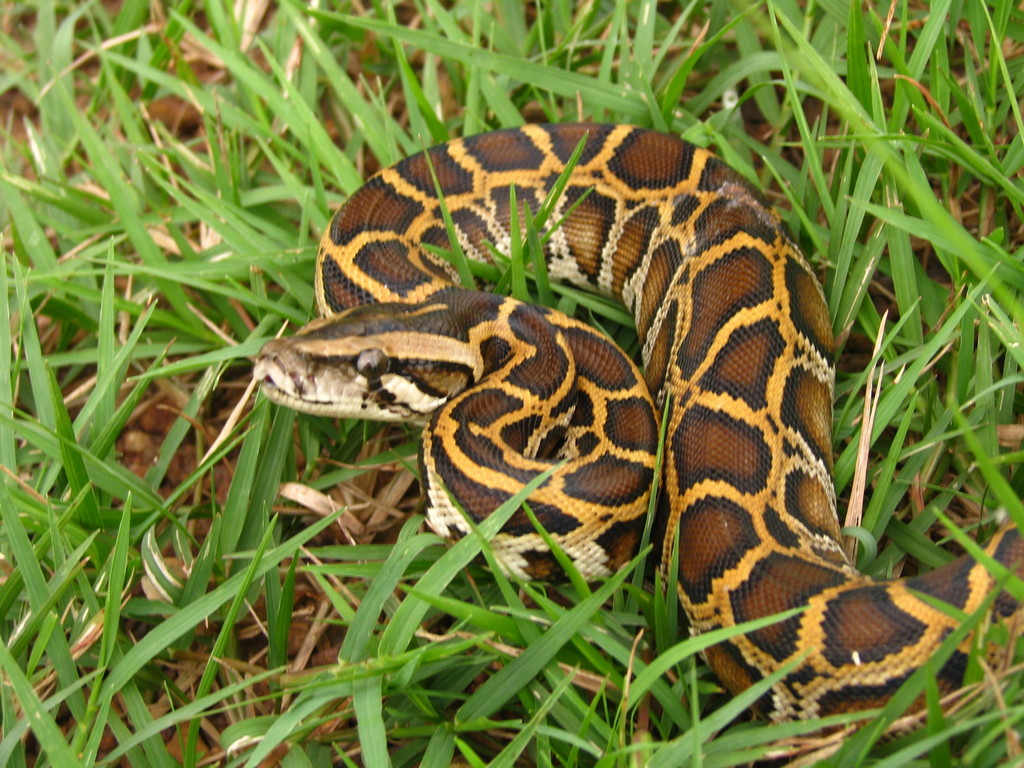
(296, 380)
(286, 379)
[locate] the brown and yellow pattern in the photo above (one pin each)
(737, 344)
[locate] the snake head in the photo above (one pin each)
(384, 362)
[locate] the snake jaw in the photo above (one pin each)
(292, 377)
(351, 377)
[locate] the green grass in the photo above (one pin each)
(163, 183)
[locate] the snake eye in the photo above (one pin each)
(371, 363)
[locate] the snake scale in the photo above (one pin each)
(737, 348)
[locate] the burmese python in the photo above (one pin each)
(736, 338)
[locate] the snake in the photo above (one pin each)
(737, 350)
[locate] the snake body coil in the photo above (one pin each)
(737, 344)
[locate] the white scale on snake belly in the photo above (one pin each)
(449, 522)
